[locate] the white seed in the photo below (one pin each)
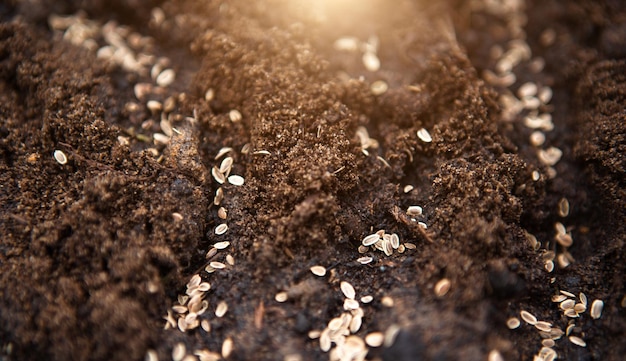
(219, 196)
(154, 106)
(527, 90)
(346, 43)
(442, 287)
(569, 329)
(151, 355)
(387, 301)
(355, 323)
(570, 313)
(212, 252)
(390, 335)
(548, 342)
(335, 324)
(204, 286)
(387, 247)
(227, 347)
(424, 135)
(281, 297)
(221, 245)
(422, 225)
(513, 323)
(370, 240)
(562, 260)
(347, 289)
(314, 334)
(494, 355)
(166, 77)
(362, 249)
(60, 157)
(217, 175)
(550, 156)
(365, 260)
(577, 341)
(545, 95)
(583, 298)
(221, 309)
(350, 304)
(568, 294)
(236, 180)
(414, 211)
(325, 341)
(536, 175)
(371, 61)
(528, 317)
(319, 271)
(580, 308)
(209, 95)
(537, 138)
(194, 281)
(226, 165)
(596, 309)
(235, 116)
(367, 299)
(379, 87)
(410, 245)
(567, 304)
(374, 339)
(407, 188)
(221, 229)
(223, 151)
(179, 309)
(217, 265)
(179, 351)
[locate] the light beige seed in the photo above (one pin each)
(370, 240)
(568, 294)
(387, 301)
(362, 249)
(151, 355)
(206, 326)
(347, 43)
(543, 326)
(209, 269)
(319, 271)
(221, 309)
(569, 329)
(564, 240)
(371, 61)
(395, 241)
(365, 260)
(375, 339)
(221, 229)
(570, 313)
(545, 94)
(347, 289)
(60, 157)
(562, 260)
(335, 324)
(166, 78)
(577, 341)
(563, 207)
(408, 188)
(537, 138)
(179, 351)
(179, 308)
(212, 252)
(355, 323)
(235, 116)
(559, 298)
(390, 335)
(221, 245)
(528, 317)
(230, 259)
(548, 342)
(513, 323)
(596, 309)
(217, 265)
(527, 90)
(422, 225)
(217, 175)
(556, 333)
(194, 281)
(494, 355)
(204, 286)
(281, 297)
(223, 151)
(226, 165)
(424, 135)
(583, 298)
(442, 287)
(549, 266)
(367, 299)
(387, 247)
(580, 308)
(379, 87)
(236, 180)
(550, 156)
(414, 211)
(219, 196)
(209, 95)
(325, 341)
(166, 126)
(410, 245)
(567, 304)
(350, 304)
(314, 334)
(227, 347)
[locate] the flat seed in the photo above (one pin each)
(221, 245)
(390, 335)
(60, 157)
(568, 294)
(235, 116)
(569, 329)
(494, 355)
(179, 309)
(221, 309)
(387, 301)
(414, 211)
(362, 249)
(424, 135)
(217, 265)
(335, 324)
(570, 313)
(204, 286)
(567, 304)
(379, 87)
(227, 347)
(563, 207)
(564, 240)
(194, 281)
(325, 341)
(395, 241)
(350, 304)
(347, 289)
(559, 298)
(513, 323)
(410, 245)
(371, 61)
(596, 309)
(166, 77)
(543, 326)
(375, 339)
(219, 196)
(223, 151)
(226, 165)
(179, 351)
(387, 247)
(549, 266)
(222, 213)
(221, 229)
(550, 156)
(365, 260)
(217, 175)
(151, 355)
(355, 323)
(370, 240)
(528, 317)
(583, 298)
(209, 95)
(580, 308)
(281, 297)
(314, 334)
(236, 180)
(577, 341)
(212, 252)
(230, 260)
(422, 225)
(408, 188)
(367, 299)
(442, 287)
(548, 342)
(527, 90)
(319, 271)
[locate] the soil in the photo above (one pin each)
(94, 252)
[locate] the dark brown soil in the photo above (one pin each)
(91, 256)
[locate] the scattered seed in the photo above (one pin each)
(209, 95)
(152, 355)
(235, 116)
(580, 308)
(314, 334)
(367, 299)
(569, 329)
(414, 211)
(60, 157)
(559, 298)
(379, 87)
(355, 323)
(387, 301)
(219, 196)
(221, 309)
(549, 266)
(548, 342)
(550, 156)
(568, 294)
(424, 135)
(494, 355)
(335, 324)
(528, 317)
(374, 339)
(543, 326)
(371, 61)
(583, 298)
(347, 43)
(390, 335)
(410, 245)
(387, 247)
(179, 309)
(230, 260)
(365, 260)
(319, 271)
(347, 290)
(350, 304)
(527, 90)
(222, 213)
(221, 245)
(166, 77)
(563, 207)
(596, 309)
(567, 304)
(537, 138)
(442, 287)
(209, 269)
(227, 347)
(408, 188)
(513, 323)
(236, 180)
(325, 340)
(536, 175)
(179, 351)
(422, 225)
(223, 151)
(577, 341)
(177, 216)
(370, 240)
(362, 249)
(226, 165)
(217, 175)
(212, 252)
(570, 312)
(562, 260)
(221, 229)
(281, 297)
(217, 265)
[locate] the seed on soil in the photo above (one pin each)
(221, 229)
(442, 287)
(319, 271)
(387, 301)
(569, 329)
(209, 95)
(580, 308)
(221, 245)
(217, 265)
(371, 61)
(281, 297)
(219, 196)
(424, 135)
(154, 106)
(230, 260)
(564, 239)
(559, 298)
(583, 298)
(570, 312)
(549, 266)
(226, 165)
(60, 157)
(362, 249)
(221, 309)
(410, 245)
(367, 299)
(379, 87)
(375, 339)
(547, 342)
(550, 156)
(166, 78)
(235, 116)
(355, 323)
(407, 188)
(370, 240)
(179, 351)
(577, 341)
(151, 355)
(387, 247)
(526, 90)
(543, 326)
(390, 335)
(177, 216)
(513, 323)
(567, 304)
(227, 347)
(212, 252)
(596, 309)
(563, 207)
(365, 260)
(217, 175)
(314, 334)
(350, 304)
(528, 317)
(537, 138)
(236, 180)
(335, 324)
(179, 309)
(325, 341)
(347, 289)
(568, 294)
(223, 151)
(414, 211)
